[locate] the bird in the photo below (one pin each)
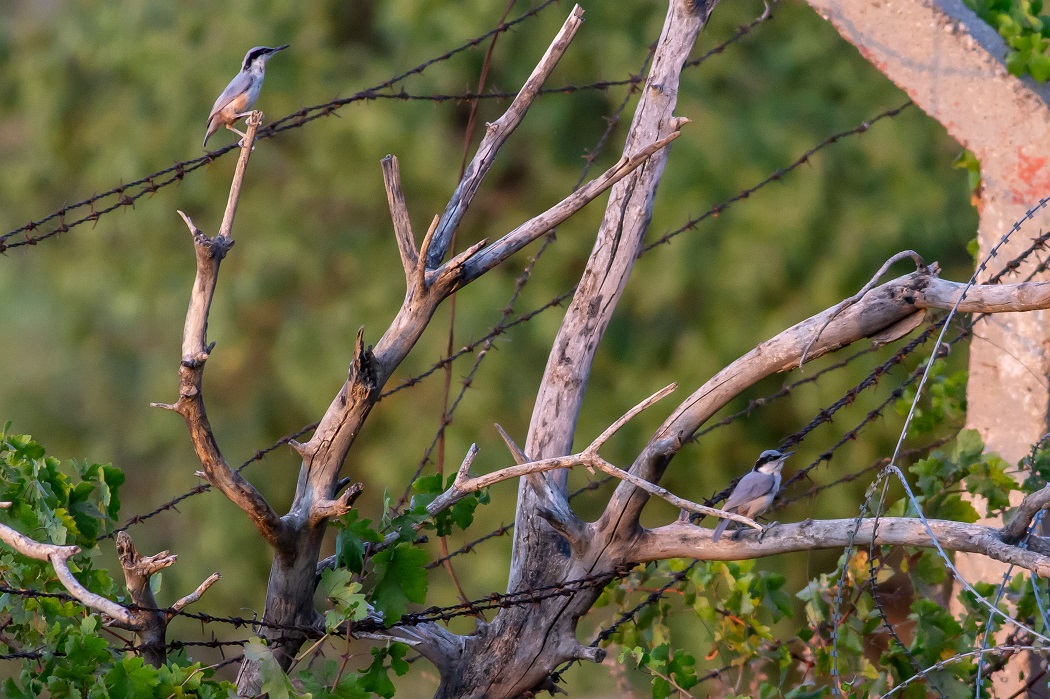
(240, 95)
(755, 492)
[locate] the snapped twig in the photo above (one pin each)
(920, 266)
(189, 599)
(151, 622)
(327, 509)
(395, 196)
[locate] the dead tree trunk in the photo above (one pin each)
(517, 651)
(321, 494)
(515, 654)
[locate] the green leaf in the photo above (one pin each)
(682, 668)
(376, 678)
(275, 682)
(131, 679)
(969, 447)
(932, 474)
(953, 507)
(352, 539)
(428, 485)
(1039, 66)
(344, 593)
(400, 578)
(988, 479)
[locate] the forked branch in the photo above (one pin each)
(870, 314)
(1015, 530)
(151, 623)
(195, 350)
(496, 135)
(464, 484)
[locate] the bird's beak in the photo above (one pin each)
(279, 48)
(785, 454)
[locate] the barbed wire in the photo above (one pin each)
(753, 404)
(125, 194)
(469, 547)
(486, 341)
(786, 390)
(500, 329)
(549, 239)
(873, 591)
(892, 468)
(568, 587)
(151, 183)
(520, 282)
(776, 176)
(30, 654)
(431, 614)
(1008, 574)
(825, 415)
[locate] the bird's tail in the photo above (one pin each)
(213, 126)
(722, 524)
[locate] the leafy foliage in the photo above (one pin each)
(1026, 31)
(742, 608)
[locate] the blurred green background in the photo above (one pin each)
(94, 93)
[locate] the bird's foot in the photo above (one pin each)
(766, 528)
(240, 143)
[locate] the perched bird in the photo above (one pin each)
(240, 95)
(755, 492)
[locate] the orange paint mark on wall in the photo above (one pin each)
(1031, 179)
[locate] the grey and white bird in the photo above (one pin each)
(755, 492)
(242, 92)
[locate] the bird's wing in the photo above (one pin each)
(752, 485)
(238, 85)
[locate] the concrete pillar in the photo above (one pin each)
(951, 65)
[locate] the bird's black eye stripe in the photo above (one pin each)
(253, 54)
(768, 456)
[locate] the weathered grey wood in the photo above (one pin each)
(515, 653)
(882, 307)
(952, 64)
(59, 557)
(684, 540)
(496, 135)
(195, 350)
(151, 622)
(299, 534)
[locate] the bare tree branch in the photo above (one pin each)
(683, 540)
(59, 557)
(496, 135)
(191, 598)
(465, 485)
(1016, 529)
(327, 509)
(406, 242)
(905, 254)
(300, 532)
(151, 622)
(871, 316)
(558, 214)
(195, 351)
